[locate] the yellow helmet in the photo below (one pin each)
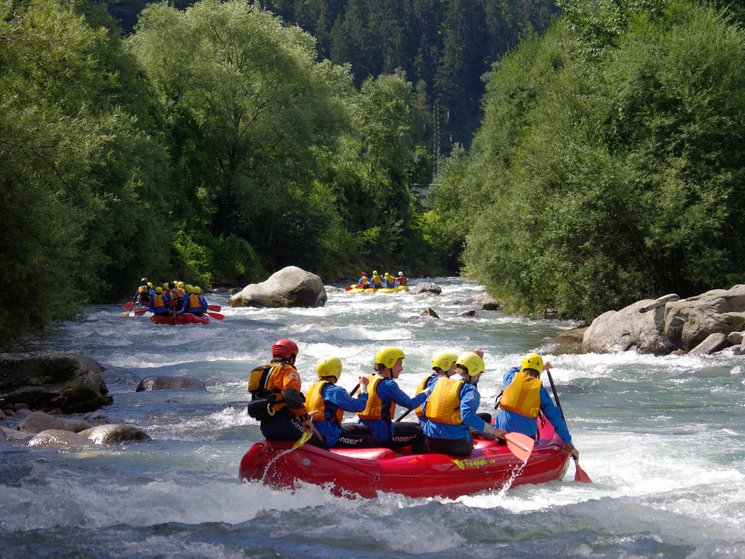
(159, 289)
(149, 284)
(180, 284)
(329, 367)
(444, 360)
(532, 361)
(197, 290)
(388, 356)
(165, 286)
(375, 272)
(472, 362)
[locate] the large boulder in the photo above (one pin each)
(631, 328)
(71, 383)
(289, 287)
(58, 438)
(170, 383)
(426, 287)
(690, 321)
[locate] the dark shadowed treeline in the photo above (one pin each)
(609, 165)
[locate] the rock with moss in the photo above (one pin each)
(70, 383)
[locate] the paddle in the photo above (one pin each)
(579, 474)
(349, 288)
(302, 440)
(216, 315)
(214, 308)
(129, 305)
(141, 311)
(520, 445)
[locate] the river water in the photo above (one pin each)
(661, 438)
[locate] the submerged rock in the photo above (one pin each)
(115, 433)
(170, 383)
(57, 438)
(37, 421)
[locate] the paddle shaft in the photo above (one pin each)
(580, 474)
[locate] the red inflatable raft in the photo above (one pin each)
(186, 318)
(365, 472)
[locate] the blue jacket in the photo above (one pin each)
(389, 282)
(337, 397)
(514, 422)
(469, 405)
(388, 391)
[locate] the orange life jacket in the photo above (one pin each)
(522, 395)
(374, 408)
(314, 402)
(443, 405)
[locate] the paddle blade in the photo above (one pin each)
(214, 308)
(302, 440)
(141, 311)
(129, 305)
(349, 288)
(216, 315)
(579, 474)
(520, 445)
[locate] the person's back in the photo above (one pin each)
(443, 365)
(160, 304)
(276, 400)
(383, 395)
(389, 281)
(193, 302)
(326, 402)
(451, 409)
(376, 282)
(524, 397)
(401, 279)
(363, 282)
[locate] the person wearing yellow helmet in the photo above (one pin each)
(389, 281)
(451, 409)
(383, 395)
(524, 397)
(326, 402)
(443, 364)
(195, 303)
(160, 302)
(375, 281)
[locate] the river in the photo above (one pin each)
(661, 438)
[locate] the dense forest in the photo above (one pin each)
(574, 162)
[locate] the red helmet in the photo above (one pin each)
(364, 273)
(284, 348)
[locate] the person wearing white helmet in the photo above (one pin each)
(401, 280)
(326, 401)
(451, 409)
(524, 397)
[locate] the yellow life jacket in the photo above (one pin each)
(314, 402)
(194, 302)
(522, 395)
(158, 301)
(374, 407)
(420, 388)
(443, 405)
(376, 281)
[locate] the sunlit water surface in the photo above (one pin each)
(661, 438)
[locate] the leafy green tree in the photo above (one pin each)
(256, 115)
(611, 175)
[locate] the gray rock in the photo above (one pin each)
(430, 312)
(660, 302)
(712, 344)
(170, 383)
(628, 329)
(690, 321)
(9, 434)
(37, 421)
(72, 383)
(736, 338)
(289, 287)
(426, 287)
(468, 313)
(55, 438)
(115, 433)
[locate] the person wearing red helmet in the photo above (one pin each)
(363, 282)
(276, 400)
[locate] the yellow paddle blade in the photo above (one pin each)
(520, 445)
(302, 440)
